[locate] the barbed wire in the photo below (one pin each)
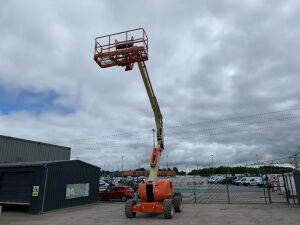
(181, 126)
(197, 136)
(206, 131)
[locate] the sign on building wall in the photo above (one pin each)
(190, 184)
(35, 191)
(77, 190)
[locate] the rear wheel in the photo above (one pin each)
(177, 203)
(168, 209)
(128, 208)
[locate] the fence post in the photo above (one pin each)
(264, 188)
(195, 194)
(285, 189)
(111, 185)
(268, 188)
(292, 188)
(228, 197)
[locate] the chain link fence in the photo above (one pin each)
(265, 189)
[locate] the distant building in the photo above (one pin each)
(20, 150)
(145, 173)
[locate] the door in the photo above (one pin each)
(16, 187)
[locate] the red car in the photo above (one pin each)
(120, 192)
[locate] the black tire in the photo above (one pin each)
(124, 198)
(128, 208)
(168, 209)
(178, 204)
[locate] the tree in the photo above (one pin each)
(181, 173)
(175, 169)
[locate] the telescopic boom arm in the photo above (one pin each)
(122, 49)
(155, 158)
(154, 104)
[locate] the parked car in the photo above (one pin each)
(228, 180)
(103, 186)
(242, 179)
(237, 179)
(130, 183)
(216, 179)
(220, 179)
(141, 178)
(121, 192)
(211, 179)
(247, 181)
(255, 181)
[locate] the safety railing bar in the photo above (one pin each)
(138, 40)
(128, 31)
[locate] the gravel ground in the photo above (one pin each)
(113, 213)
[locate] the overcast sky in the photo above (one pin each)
(212, 64)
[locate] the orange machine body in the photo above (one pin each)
(149, 207)
(163, 189)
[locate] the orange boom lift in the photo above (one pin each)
(125, 49)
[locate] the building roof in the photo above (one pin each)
(41, 163)
(34, 142)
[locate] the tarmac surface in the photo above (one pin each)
(112, 213)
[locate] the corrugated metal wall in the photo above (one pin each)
(20, 150)
(72, 172)
(14, 192)
(52, 179)
(297, 184)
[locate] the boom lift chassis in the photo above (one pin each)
(125, 49)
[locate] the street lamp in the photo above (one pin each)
(212, 164)
(122, 163)
(227, 167)
(167, 161)
(153, 130)
(257, 164)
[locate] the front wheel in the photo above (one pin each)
(128, 208)
(178, 204)
(168, 209)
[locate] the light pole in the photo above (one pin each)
(122, 163)
(153, 130)
(197, 167)
(167, 161)
(227, 167)
(272, 161)
(257, 164)
(212, 164)
(296, 158)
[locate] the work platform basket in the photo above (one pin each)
(121, 49)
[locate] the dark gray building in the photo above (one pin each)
(21, 150)
(297, 184)
(44, 186)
